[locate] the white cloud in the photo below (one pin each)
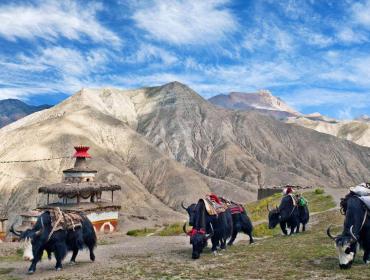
(361, 13)
(53, 19)
(66, 61)
(186, 22)
(148, 53)
(347, 35)
(268, 35)
(348, 67)
(21, 92)
(254, 75)
(315, 38)
(51, 70)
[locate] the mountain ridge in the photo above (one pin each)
(166, 145)
(357, 130)
(14, 109)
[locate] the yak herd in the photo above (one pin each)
(221, 229)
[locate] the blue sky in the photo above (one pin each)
(313, 54)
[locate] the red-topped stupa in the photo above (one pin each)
(79, 191)
(80, 172)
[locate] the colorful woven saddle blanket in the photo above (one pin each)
(214, 207)
(235, 208)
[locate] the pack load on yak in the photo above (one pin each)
(210, 220)
(241, 221)
(218, 211)
(292, 211)
(57, 232)
(355, 206)
(363, 192)
(214, 205)
(297, 198)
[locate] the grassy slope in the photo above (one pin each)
(257, 211)
(306, 255)
(318, 201)
(309, 255)
(303, 256)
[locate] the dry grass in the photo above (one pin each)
(306, 255)
(17, 256)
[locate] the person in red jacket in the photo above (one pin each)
(288, 190)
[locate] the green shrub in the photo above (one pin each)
(171, 230)
(319, 191)
(262, 230)
(141, 232)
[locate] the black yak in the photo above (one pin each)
(41, 238)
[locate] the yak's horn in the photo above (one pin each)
(353, 236)
(12, 230)
(184, 228)
(182, 205)
(329, 234)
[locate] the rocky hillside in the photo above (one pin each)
(357, 131)
(14, 109)
(265, 103)
(167, 144)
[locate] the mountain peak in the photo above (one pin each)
(260, 100)
(175, 83)
(364, 118)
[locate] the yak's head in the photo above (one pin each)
(346, 246)
(33, 239)
(191, 212)
(198, 239)
(274, 217)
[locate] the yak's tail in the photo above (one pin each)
(89, 234)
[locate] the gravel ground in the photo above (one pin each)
(110, 254)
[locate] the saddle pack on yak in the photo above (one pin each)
(61, 220)
(363, 192)
(298, 199)
(217, 204)
(214, 205)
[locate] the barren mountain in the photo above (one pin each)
(262, 101)
(14, 109)
(265, 103)
(167, 144)
(357, 131)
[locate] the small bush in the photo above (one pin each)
(319, 191)
(262, 230)
(141, 232)
(171, 230)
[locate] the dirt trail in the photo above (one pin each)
(107, 256)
